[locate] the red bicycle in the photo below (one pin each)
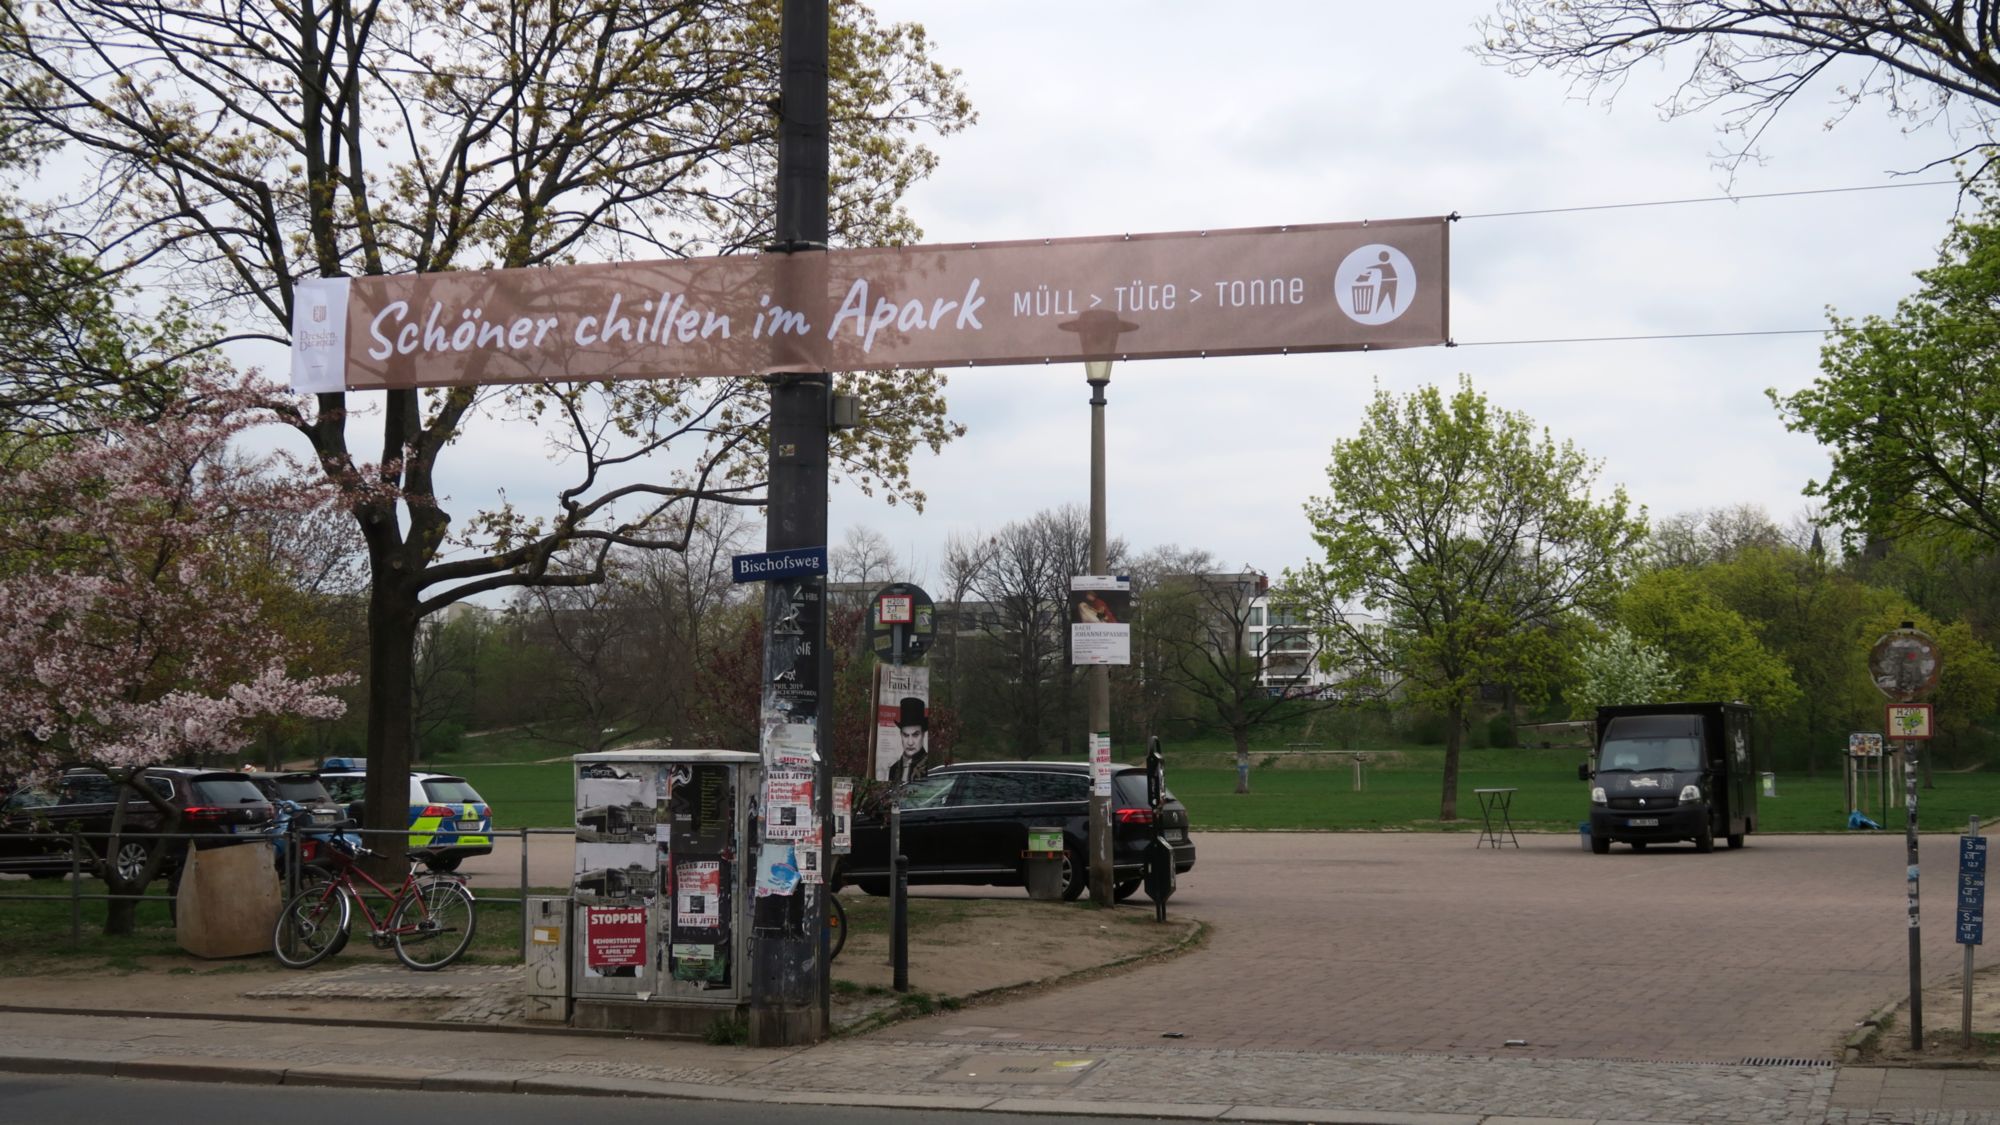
(428, 921)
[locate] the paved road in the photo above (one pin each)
(1416, 943)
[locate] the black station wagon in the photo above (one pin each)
(968, 824)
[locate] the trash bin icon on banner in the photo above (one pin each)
(1364, 294)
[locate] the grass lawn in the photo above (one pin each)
(1403, 790)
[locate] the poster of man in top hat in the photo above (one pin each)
(902, 724)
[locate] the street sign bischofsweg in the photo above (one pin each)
(799, 562)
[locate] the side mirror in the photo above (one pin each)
(1583, 772)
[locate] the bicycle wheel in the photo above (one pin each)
(836, 926)
(312, 927)
(433, 924)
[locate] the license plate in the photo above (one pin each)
(1643, 822)
(1174, 834)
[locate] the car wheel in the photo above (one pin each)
(444, 864)
(877, 887)
(1125, 890)
(1736, 839)
(1076, 875)
(1638, 845)
(1600, 845)
(130, 861)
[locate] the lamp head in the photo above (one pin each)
(1097, 371)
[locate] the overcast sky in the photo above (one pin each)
(1125, 116)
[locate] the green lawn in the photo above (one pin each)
(1403, 790)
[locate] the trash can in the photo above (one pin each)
(1770, 784)
(1583, 830)
(1045, 863)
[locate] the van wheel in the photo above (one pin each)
(1600, 845)
(1705, 842)
(875, 887)
(1736, 839)
(1638, 845)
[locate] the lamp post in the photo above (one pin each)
(1098, 373)
(1099, 330)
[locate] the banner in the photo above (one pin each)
(1259, 291)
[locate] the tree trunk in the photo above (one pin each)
(1242, 735)
(1454, 740)
(392, 716)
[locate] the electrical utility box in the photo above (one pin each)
(663, 863)
(546, 995)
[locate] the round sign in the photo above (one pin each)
(1905, 665)
(901, 612)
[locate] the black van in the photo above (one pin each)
(1667, 772)
(967, 824)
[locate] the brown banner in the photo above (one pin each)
(1332, 287)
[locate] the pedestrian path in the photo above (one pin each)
(906, 1068)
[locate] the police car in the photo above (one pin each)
(448, 817)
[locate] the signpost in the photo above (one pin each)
(1971, 914)
(1905, 666)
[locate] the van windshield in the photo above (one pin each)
(1651, 742)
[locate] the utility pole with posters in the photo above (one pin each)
(788, 986)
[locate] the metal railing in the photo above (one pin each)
(88, 862)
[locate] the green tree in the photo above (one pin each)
(1909, 406)
(1473, 534)
(253, 146)
(1714, 651)
(1617, 667)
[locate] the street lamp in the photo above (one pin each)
(1099, 330)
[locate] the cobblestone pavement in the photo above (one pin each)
(1421, 943)
(486, 994)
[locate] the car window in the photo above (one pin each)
(87, 789)
(451, 791)
(27, 799)
(224, 792)
(1050, 787)
(346, 788)
(927, 793)
(163, 786)
(1131, 790)
(992, 789)
(304, 790)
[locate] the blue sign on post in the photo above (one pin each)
(798, 562)
(1971, 890)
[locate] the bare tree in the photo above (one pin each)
(1025, 586)
(1712, 535)
(1748, 59)
(595, 693)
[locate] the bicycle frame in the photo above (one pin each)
(378, 929)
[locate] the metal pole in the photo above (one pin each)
(788, 999)
(1099, 675)
(1916, 927)
(75, 889)
(899, 875)
(524, 894)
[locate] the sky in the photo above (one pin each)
(1122, 116)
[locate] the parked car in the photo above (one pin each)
(302, 808)
(448, 817)
(211, 802)
(967, 824)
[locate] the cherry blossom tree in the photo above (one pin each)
(135, 621)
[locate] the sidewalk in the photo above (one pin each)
(902, 1068)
